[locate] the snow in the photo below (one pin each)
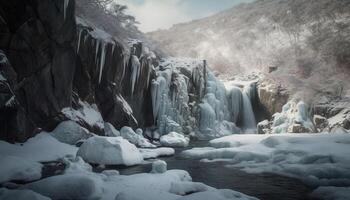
(183, 188)
(331, 193)
(159, 167)
(70, 132)
(86, 113)
(158, 152)
(19, 169)
(41, 148)
(109, 151)
(174, 139)
(110, 131)
(6, 194)
(68, 186)
(317, 159)
(218, 195)
(134, 138)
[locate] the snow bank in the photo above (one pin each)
(317, 159)
(6, 194)
(158, 152)
(159, 167)
(183, 188)
(218, 195)
(41, 148)
(68, 186)
(174, 139)
(134, 138)
(70, 132)
(109, 151)
(18, 169)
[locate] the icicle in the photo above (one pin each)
(135, 71)
(96, 50)
(65, 5)
(79, 38)
(102, 61)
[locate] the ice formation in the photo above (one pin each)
(135, 71)
(294, 118)
(187, 97)
(65, 5)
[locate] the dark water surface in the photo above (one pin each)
(263, 186)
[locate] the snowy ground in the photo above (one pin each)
(21, 162)
(317, 159)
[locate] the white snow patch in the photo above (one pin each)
(158, 152)
(18, 169)
(41, 148)
(6, 194)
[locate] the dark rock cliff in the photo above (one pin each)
(53, 62)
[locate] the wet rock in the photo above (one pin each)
(263, 127)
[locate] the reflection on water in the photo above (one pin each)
(263, 186)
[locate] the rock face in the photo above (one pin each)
(57, 65)
(38, 38)
(272, 96)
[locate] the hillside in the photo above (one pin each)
(308, 42)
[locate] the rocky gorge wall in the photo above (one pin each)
(51, 62)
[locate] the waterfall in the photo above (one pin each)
(248, 114)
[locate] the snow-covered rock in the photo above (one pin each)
(109, 151)
(134, 138)
(158, 152)
(294, 118)
(320, 122)
(67, 186)
(174, 139)
(70, 132)
(18, 169)
(6, 194)
(159, 167)
(342, 119)
(85, 114)
(110, 131)
(263, 127)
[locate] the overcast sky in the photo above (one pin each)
(162, 14)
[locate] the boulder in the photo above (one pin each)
(70, 132)
(110, 131)
(135, 138)
(263, 127)
(174, 139)
(159, 167)
(109, 151)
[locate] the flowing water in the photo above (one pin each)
(263, 186)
